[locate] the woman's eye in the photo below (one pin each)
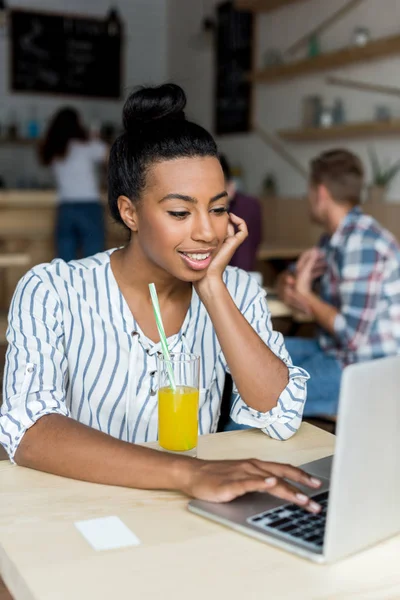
(178, 215)
(220, 211)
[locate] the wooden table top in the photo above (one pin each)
(14, 259)
(278, 308)
(182, 556)
(268, 251)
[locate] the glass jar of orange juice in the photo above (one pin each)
(178, 404)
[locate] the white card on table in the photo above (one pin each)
(107, 533)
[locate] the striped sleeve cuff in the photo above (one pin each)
(14, 424)
(282, 421)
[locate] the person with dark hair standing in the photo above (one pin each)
(80, 380)
(356, 267)
(248, 209)
(74, 159)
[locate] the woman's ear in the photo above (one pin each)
(128, 212)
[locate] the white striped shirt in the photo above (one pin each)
(75, 349)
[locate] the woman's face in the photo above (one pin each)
(182, 219)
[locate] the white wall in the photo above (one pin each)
(145, 62)
(278, 106)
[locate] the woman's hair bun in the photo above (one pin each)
(153, 104)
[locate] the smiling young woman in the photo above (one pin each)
(80, 387)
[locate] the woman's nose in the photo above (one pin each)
(203, 230)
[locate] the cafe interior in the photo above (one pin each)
(277, 83)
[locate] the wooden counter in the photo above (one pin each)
(27, 225)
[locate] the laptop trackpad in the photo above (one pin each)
(319, 468)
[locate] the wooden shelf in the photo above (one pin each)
(263, 5)
(347, 130)
(279, 251)
(332, 60)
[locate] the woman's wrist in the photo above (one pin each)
(209, 287)
(183, 469)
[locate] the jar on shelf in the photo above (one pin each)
(361, 36)
(326, 118)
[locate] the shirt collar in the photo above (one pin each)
(351, 217)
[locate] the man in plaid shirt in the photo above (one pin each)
(350, 284)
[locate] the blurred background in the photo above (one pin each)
(276, 81)
(178, 40)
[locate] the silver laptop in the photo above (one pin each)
(360, 494)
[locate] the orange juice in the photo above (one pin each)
(178, 418)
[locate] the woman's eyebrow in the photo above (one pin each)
(223, 194)
(191, 199)
(174, 196)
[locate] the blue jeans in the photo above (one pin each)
(79, 229)
(325, 375)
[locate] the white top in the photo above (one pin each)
(76, 175)
(75, 349)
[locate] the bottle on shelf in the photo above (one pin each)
(12, 128)
(33, 124)
(326, 118)
(113, 23)
(314, 46)
(338, 113)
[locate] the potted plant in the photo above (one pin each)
(382, 176)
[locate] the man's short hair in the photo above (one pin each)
(341, 172)
(225, 167)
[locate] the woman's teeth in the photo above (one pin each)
(197, 256)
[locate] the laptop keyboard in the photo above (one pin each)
(295, 522)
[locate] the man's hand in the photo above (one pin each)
(224, 480)
(286, 288)
(323, 313)
(292, 287)
(310, 265)
(319, 262)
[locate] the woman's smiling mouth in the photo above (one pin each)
(196, 260)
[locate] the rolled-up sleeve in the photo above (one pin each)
(36, 366)
(282, 421)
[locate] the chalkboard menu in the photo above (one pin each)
(233, 61)
(65, 54)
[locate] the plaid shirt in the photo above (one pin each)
(362, 281)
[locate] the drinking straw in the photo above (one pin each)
(161, 332)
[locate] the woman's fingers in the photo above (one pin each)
(242, 231)
(232, 240)
(283, 489)
(273, 485)
(230, 231)
(288, 492)
(289, 472)
(232, 489)
(222, 481)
